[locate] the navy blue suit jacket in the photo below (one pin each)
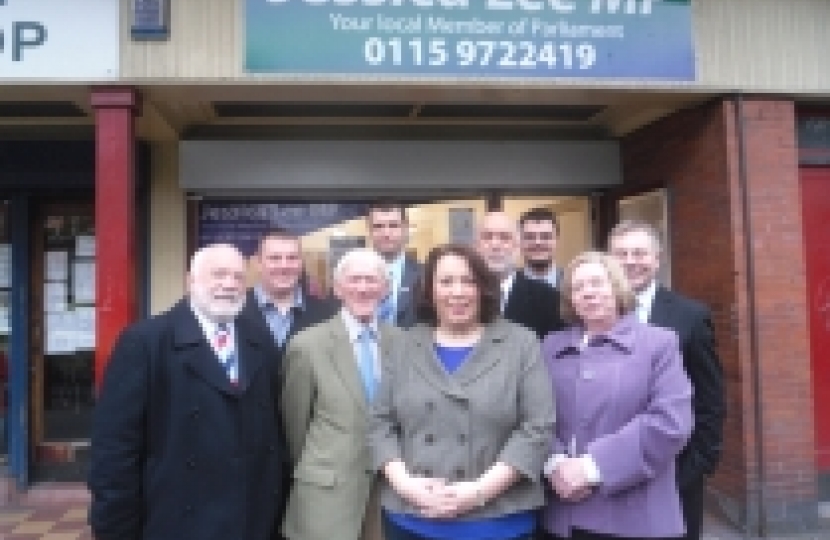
(692, 322)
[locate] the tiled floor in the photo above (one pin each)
(68, 522)
(53, 522)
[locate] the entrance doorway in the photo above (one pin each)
(62, 339)
(330, 228)
(815, 204)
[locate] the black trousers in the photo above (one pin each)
(691, 498)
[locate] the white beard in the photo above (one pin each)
(216, 309)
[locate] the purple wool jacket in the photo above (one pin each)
(626, 401)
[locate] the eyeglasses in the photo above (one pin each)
(490, 235)
(530, 236)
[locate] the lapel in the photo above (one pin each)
(249, 354)
(340, 352)
(408, 278)
(486, 354)
(196, 354)
(483, 358)
(387, 334)
(516, 297)
(560, 277)
(661, 308)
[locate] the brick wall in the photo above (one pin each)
(695, 155)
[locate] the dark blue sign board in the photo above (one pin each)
(242, 223)
(150, 19)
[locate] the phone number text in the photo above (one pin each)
(467, 53)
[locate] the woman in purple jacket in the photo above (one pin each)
(624, 412)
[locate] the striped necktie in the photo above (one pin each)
(224, 349)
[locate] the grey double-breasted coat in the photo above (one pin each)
(497, 407)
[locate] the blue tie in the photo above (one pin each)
(386, 309)
(366, 360)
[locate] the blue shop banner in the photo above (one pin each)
(595, 39)
(243, 223)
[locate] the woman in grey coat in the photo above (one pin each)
(462, 423)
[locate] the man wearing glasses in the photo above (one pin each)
(539, 232)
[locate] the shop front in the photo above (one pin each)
(689, 115)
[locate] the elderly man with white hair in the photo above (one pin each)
(331, 373)
(185, 438)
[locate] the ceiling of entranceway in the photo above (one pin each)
(348, 111)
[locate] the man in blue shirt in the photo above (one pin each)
(389, 231)
(279, 299)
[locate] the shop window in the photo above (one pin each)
(5, 325)
(63, 379)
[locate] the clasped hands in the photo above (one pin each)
(436, 498)
(570, 480)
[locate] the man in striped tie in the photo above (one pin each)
(185, 439)
(331, 373)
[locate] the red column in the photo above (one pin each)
(115, 112)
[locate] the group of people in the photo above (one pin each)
(466, 398)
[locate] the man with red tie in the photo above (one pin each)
(185, 439)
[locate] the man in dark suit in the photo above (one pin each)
(280, 303)
(539, 233)
(185, 438)
(637, 246)
(529, 302)
(389, 231)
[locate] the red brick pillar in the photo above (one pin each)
(115, 112)
(772, 311)
(736, 244)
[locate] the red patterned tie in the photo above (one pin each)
(226, 357)
(221, 338)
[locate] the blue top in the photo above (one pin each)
(452, 357)
(497, 528)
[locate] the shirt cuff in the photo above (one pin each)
(552, 463)
(591, 469)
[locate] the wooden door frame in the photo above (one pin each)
(37, 315)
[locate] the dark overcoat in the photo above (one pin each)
(178, 452)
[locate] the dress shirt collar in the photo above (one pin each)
(265, 302)
(355, 327)
(551, 277)
(621, 335)
(507, 286)
(645, 300)
(209, 327)
(395, 270)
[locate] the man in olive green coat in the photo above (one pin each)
(331, 372)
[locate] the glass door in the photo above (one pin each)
(62, 339)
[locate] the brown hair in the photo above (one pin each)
(539, 214)
(626, 301)
(387, 205)
(276, 232)
(489, 291)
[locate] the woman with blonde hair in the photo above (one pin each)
(624, 412)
